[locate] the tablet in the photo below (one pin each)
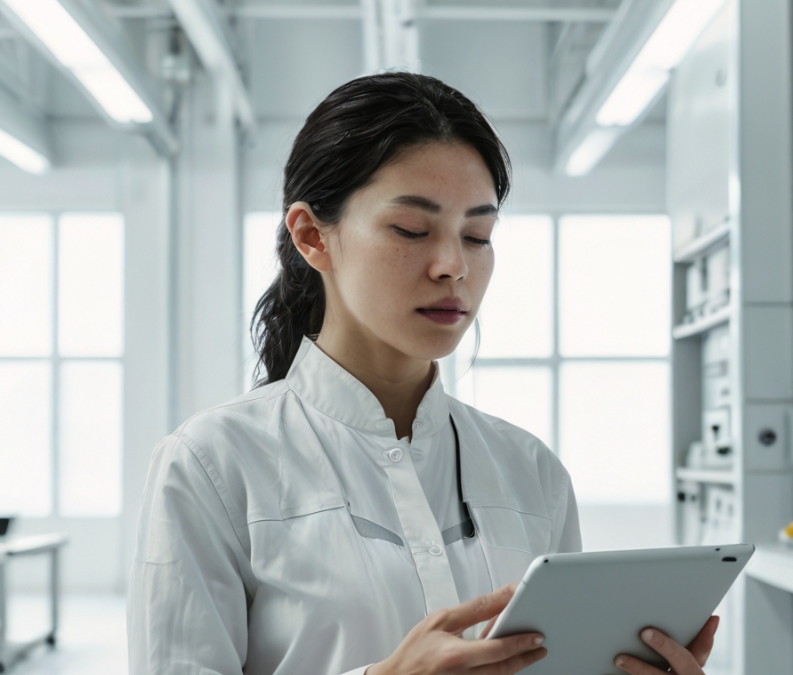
(592, 606)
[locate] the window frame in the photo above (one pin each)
(55, 360)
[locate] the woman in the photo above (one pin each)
(346, 515)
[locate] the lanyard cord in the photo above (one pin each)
(459, 471)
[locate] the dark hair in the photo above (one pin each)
(357, 129)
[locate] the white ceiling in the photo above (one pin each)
(516, 70)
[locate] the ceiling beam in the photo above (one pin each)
(354, 12)
(577, 130)
(207, 28)
(109, 39)
(532, 14)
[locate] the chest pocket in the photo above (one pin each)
(511, 539)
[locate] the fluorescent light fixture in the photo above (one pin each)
(22, 155)
(633, 93)
(72, 46)
(649, 72)
(590, 151)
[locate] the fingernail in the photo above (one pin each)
(539, 640)
(648, 635)
(619, 661)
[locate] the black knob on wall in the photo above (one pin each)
(767, 436)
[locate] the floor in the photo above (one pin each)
(92, 637)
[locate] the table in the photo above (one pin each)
(773, 565)
(11, 548)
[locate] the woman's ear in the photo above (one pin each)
(307, 236)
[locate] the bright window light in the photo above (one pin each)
(25, 430)
(90, 438)
(590, 152)
(72, 46)
(614, 286)
(519, 394)
(23, 156)
(91, 284)
(260, 265)
(649, 72)
(259, 260)
(25, 285)
(516, 314)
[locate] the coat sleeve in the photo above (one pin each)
(566, 532)
(187, 604)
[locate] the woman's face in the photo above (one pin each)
(411, 258)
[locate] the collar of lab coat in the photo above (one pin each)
(322, 383)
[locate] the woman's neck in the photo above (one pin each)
(398, 381)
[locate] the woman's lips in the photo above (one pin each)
(445, 316)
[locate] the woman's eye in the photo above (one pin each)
(478, 242)
(408, 234)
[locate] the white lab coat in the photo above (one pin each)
(290, 532)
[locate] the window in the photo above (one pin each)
(61, 364)
(259, 268)
(575, 337)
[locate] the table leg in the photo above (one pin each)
(54, 596)
(3, 620)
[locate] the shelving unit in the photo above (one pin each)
(729, 196)
(720, 316)
(714, 476)
(702, 244)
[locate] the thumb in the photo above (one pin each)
(478, 609)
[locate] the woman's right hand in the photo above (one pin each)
(434, 646)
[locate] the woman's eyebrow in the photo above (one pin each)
(430, 206)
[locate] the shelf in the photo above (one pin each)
(773, 564)
(721, 476)
(692, 250)
(718, 317)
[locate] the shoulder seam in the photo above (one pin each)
(229, 404)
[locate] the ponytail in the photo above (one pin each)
(358, 128)
(293, 306)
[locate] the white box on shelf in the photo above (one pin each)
(696, 290)
(716, 385)
(716, 345)
(695, 455)
(720, 525)
(717, 290)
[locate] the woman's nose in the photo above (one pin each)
(448, 262)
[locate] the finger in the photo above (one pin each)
(634, 666)
(681, 660)
(513, 664)
(702, 645)
(489, 627)
(482, 652)
(481, 608)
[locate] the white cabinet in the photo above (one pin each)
(730, 191)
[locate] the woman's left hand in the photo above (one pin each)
(683, 661)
